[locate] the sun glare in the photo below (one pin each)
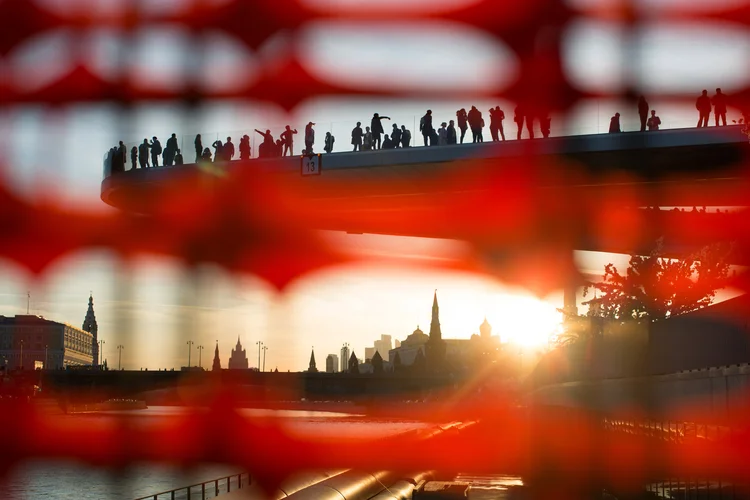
(526, 320)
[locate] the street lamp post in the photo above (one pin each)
(200, 353)
(45, 356)
(120, 347)
(21, 354)
(190, 350)
(259, 344)
(264, 357)
(101, 352)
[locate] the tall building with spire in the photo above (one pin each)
(89, 325)
(485, 329)
(435, 345)
(238, 358)
(312, 368)
(217, 362)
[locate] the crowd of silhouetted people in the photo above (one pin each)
(374, 137)
(704, 104)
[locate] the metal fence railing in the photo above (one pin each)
(204, 490)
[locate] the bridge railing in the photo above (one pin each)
(204, 490)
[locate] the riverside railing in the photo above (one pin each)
(707, 487)
(204, 490)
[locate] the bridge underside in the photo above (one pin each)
(564, 181)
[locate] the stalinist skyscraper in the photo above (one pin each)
(89, 325)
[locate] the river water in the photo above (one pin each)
(68, 480)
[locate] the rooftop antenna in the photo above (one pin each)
(28, 302)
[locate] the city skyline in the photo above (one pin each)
(236, 311)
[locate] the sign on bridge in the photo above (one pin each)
(311, 164)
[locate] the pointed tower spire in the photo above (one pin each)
(217, 362)
(89, 325)
(485, 329)
(435, 354)
(312, 368)
(435, 333)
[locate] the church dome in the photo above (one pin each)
(416, 338)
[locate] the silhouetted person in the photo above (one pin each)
(265, 150)
(206, 155)
(377, 129)
(178, 160)
(529, 112)
(367, 140)
(245, 147)
(278, 148)
(653, 122)
(396, 136)
(405, 137)
(218, 150)
(170, 151)
(545, 124)
(643, 112)
(463, 121)
(614, 124)
(387, 142)
(475, 122)
(110, 161)
(287, 139)
(425, 126)
(518, 118)
(115, 166)
(309, 138)
(229, 149)
(703, 105)
(143, 154)
(720, 107)
(497, 116)
(156, 151)
(434, 138)
(122, 156)
(451, 138)
(198, 148)
(133, 157)
(357, 137)
(328, 143)
(443, 134)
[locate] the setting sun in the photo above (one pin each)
(526, 320)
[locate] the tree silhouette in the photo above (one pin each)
(377, 363)
(655, 287)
